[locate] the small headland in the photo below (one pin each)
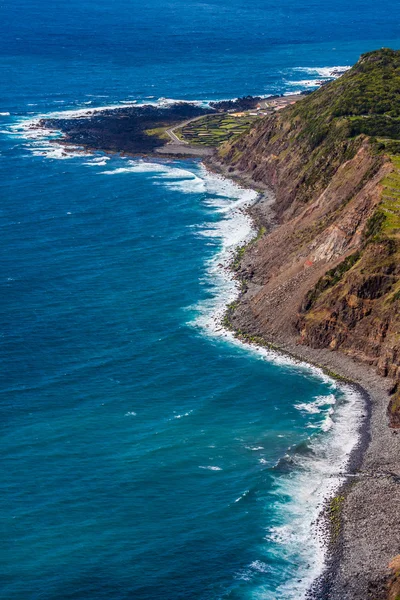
(171, 129)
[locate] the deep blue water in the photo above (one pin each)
(145, 454)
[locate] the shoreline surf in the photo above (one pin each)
(376, 440)
(321, 582)
(293, 355)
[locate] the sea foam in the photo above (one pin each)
(315, 475)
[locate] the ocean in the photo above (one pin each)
(147, 454)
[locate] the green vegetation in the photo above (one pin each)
(385, 145)
(369, 89)
(365, 100)
(262, 231)
(376, 125)
(331, 278)
(241, 250)
(213, 130)
(239, 253)
(335, 516)
(372, 87)
(159, 132)
(374, 225)
(389, 208)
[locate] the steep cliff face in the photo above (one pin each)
(329, 273)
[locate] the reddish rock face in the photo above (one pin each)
(321, 276)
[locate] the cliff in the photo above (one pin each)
(328, 274)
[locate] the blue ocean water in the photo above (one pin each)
(145, 453)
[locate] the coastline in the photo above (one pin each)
(357, 559)
(360, 538)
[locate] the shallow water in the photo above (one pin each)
(147, 454)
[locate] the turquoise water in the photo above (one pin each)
(146, 454)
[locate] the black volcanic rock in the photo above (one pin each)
(123, 129)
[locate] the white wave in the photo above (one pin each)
(227, 195)
(233, 229)
(328, 422)
(100, 161)
(130, 414)
(116, 171)
(194, 185)
(43, 142)
(57, 151)
(174, 173)
(211, 468)
(306, 83)
(242, 496)
(172, 178)
(138, 166)
(87, 111)
(98, 164)
(324, 71)
(166, 102)
(294, 93)
(317, 405)
(76, 113)
(186, 414)
(259, 566)
(314, 479)
(4, 114)
(320, 76)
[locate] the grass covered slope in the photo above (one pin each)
(329, 274)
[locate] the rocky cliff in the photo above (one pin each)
(328, 274)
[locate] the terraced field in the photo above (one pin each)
(213, 130)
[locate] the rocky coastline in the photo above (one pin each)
(367, 533)
(321, 282)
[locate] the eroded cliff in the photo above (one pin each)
(328, 275)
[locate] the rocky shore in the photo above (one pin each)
(360, 551)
